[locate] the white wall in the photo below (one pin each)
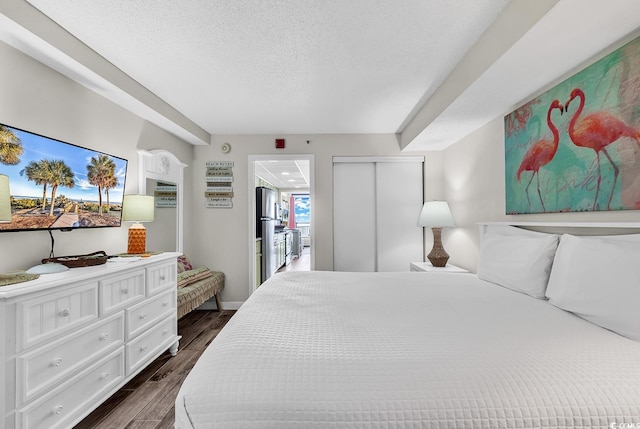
(474, 186)
(38, 99)
(223, 235)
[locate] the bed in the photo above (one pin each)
(541, 337)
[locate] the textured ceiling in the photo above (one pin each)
(282, 66)
(432, 71)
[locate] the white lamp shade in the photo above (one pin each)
(5, 199)
(436, 214)
(137, 208)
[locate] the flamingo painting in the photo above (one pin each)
(540, 154)
(597, 131)
(586, 157)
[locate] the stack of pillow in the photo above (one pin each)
(595, 277)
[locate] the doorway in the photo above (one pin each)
(271, 169)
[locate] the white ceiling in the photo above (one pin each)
(289, 175)
(281, 66)
(201, 67)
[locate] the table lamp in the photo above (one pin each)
(137, 209)
(437, 215)
(5, 199)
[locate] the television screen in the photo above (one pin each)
(58, 185)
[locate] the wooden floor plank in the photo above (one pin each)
(129, 409)
(147, 401)
(148, 372)
(169, 420)
(163, 404)
(143, 424)
(182, 365)
(203, 340)
(190, 325)
(93, 419)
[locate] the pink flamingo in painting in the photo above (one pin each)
(596, 131)
(541, 153)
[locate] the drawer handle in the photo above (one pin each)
(165, 332)
(143, 316)
(124, 291)
(64, 313)
(57, 409)
(162, 277)
(57, 362)
(104, 337)
(105, 375)
(165, 304)
(143, 349)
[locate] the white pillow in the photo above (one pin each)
(518, 262)
(598, 279)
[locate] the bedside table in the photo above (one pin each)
(427, 267)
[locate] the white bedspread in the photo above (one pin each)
(408, 350)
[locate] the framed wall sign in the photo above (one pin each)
(219, 184)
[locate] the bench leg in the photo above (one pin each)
(218, 302)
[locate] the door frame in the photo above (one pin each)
(251, 186)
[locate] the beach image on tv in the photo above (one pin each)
(58, 185)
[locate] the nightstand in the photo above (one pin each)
(427, 267)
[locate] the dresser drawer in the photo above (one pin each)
(161, 277)
(55, 313)
(69, 403)
(121, 291)
(149, 343)
(45, 367)
(143, 315)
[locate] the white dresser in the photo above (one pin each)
(70, 340)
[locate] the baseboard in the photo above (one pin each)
(211, 305)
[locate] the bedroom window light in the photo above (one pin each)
(437, 215)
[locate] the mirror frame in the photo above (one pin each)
(164, 166)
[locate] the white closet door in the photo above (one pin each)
(376, 203)
(354, 222)
(398, 203)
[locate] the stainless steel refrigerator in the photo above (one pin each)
(265, 228)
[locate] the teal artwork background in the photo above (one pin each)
(569, 182)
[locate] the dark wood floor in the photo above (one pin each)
(147, 401)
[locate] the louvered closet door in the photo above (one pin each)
(376, 202)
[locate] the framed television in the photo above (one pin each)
(59, 185)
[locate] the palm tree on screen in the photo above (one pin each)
(110, 183)
(10, 147)
(99, 172)
(37, 172)
(60, 174)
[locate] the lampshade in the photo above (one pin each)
(436, 214)
(5, 199)
(137, 208)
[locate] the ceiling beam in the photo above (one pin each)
(518, 17)
(27, 29)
